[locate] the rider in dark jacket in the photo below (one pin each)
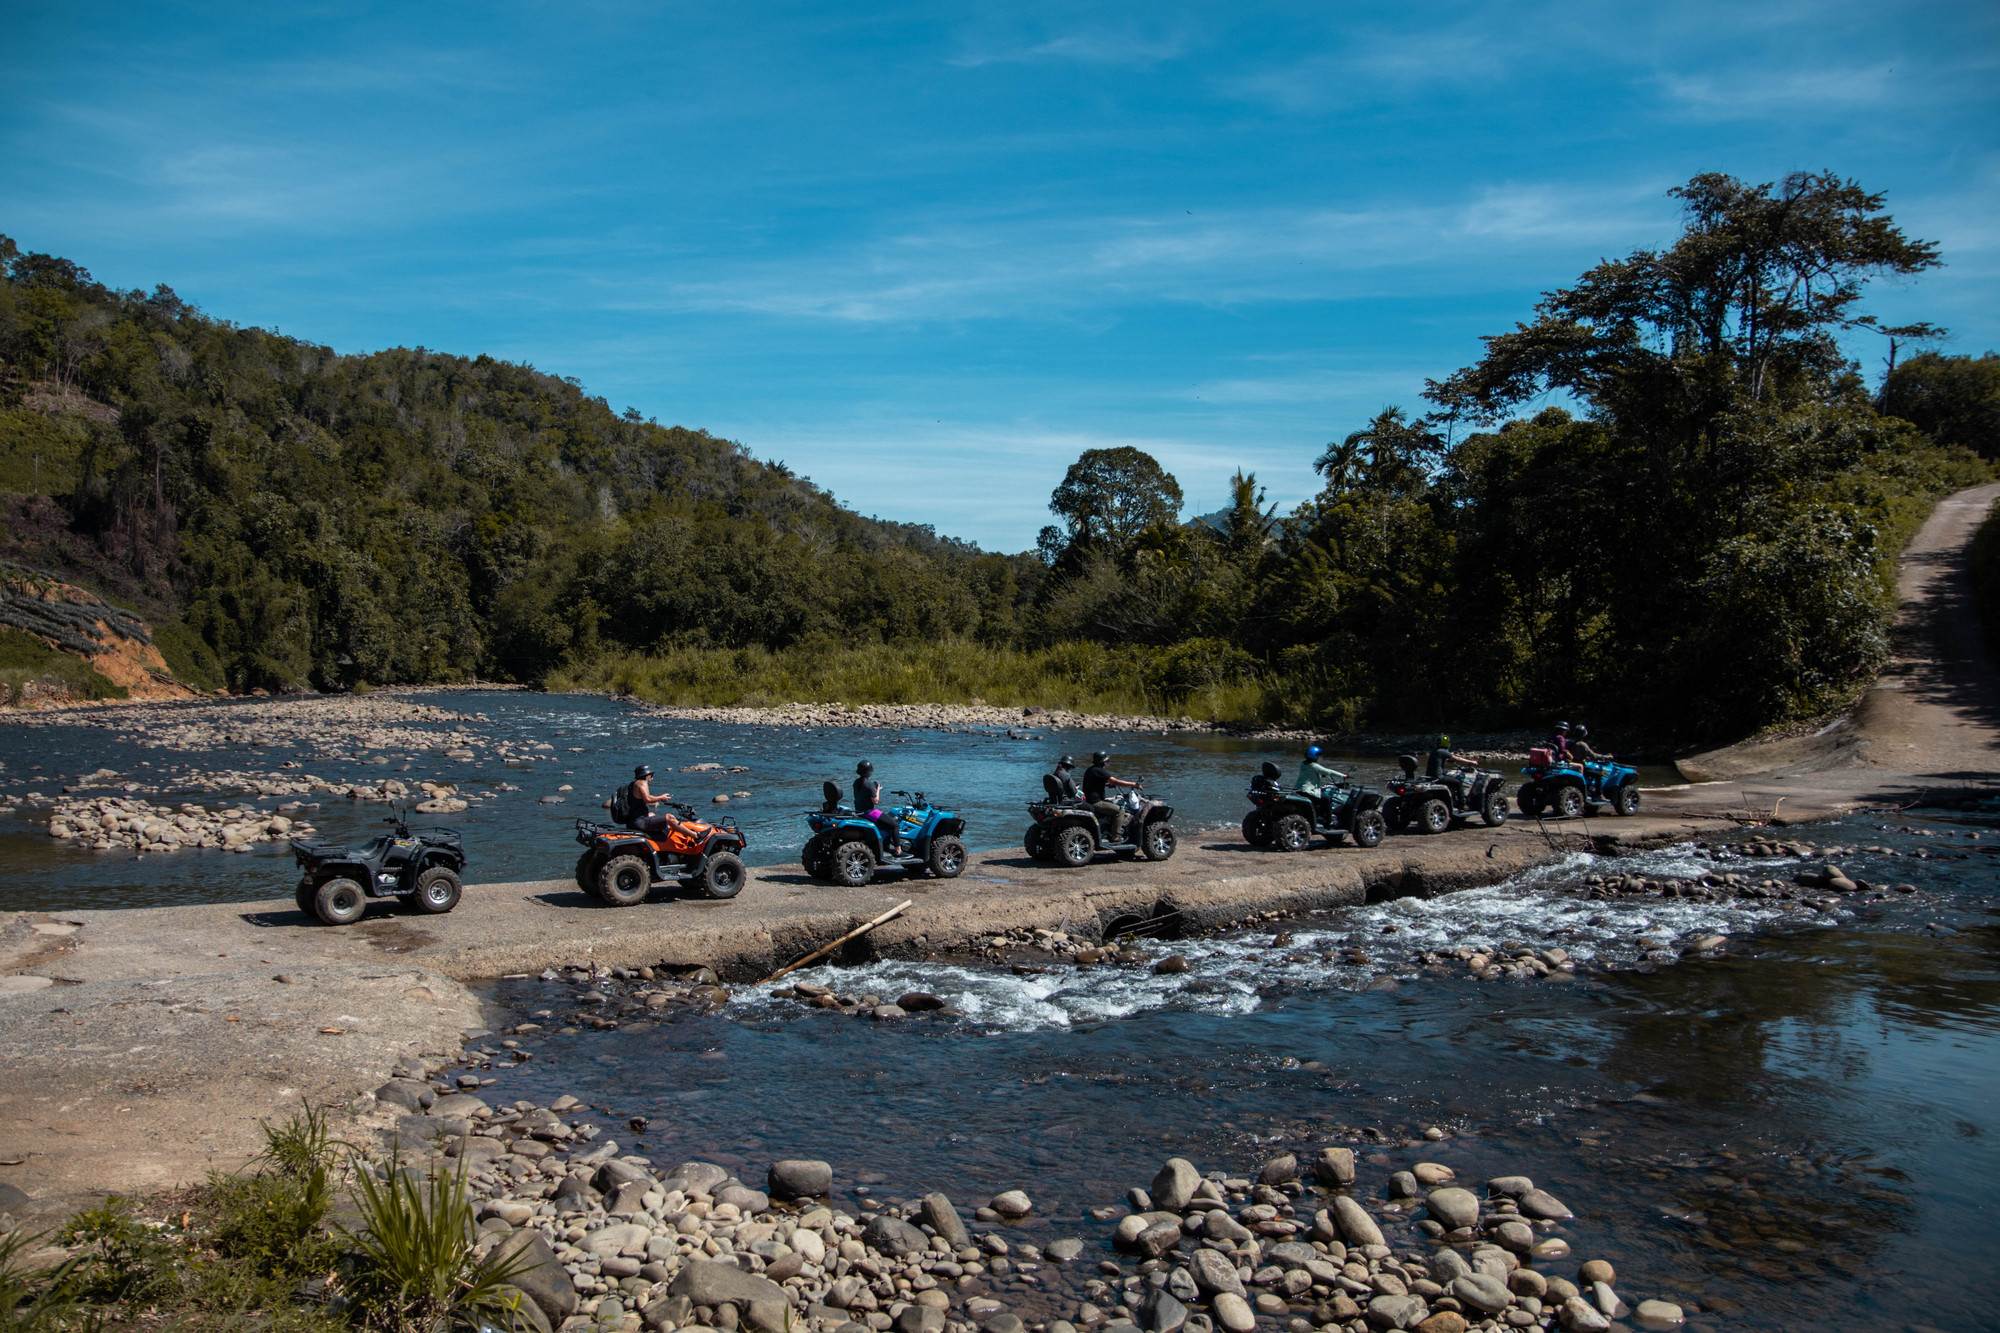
(1097, 780)
(1065, 783)
(868, 804)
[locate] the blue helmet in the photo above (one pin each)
(1312, 752)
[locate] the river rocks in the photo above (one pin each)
(1578, 1316)
(1173, 1188)
(1012, 1204)
(102, 823)
(758, 1301)
(799, 1178)
(942, 1217)
(1353, 1222)
(1279, 1170)
(1386, 1312)
(1659, 1314)
(1213, 1272)
(1597, 1270)
(1233, 1313)
(1453, 1207)
(1161, 1312)
(1544, 1207)
(1334, 1167)
(1482, 1292)
(542, 1278)
(893, 1236)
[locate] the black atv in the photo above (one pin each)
(1066, 831)
(1433, 804)
(1287, 820)
(419, 868)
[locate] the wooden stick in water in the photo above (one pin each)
(826, 949)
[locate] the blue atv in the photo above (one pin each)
(846, 846)
(1569, 789)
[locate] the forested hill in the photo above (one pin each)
(1699, 542)
(326, 520)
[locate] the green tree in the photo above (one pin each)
(1111, 496)
(1952, 399)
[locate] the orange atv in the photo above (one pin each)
(620, 866)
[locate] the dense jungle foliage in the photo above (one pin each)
(1668, 501)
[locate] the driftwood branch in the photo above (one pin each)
(826, 949)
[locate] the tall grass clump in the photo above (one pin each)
(414, 1266)
(34, 1299)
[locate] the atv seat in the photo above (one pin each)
(830, 794)
(1053, 792)
(1409, 763)
(1267, 778)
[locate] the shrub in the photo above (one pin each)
(415, 1267)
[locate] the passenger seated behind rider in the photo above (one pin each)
(1559, 743)
(1579, 746)
(1066, 787)
(868, 804)
(640, 802)
(1096, 780)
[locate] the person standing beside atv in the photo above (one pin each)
(639, 803)
(1066, 786)
(1097, 780)
(868, 804)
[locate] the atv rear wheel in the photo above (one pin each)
(624, 881)
(722, 875)
(303, 896)
(1531, 801)
(947, 857)
(1257, 829)
(850, 863)
(438, 891)
(1494, 808)
(1159, 840)
(1569, 801)
(1370, 828)
(1075, 846)
(583, 872)
(1434, 816)
(1626, 802)
(1032, 843)
(339, 902)
(1291, 832)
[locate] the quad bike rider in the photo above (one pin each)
(1071, 829)
(1453, 787)
(623, 861)
(419, 868)
(1321, 801)
(851, 844)
(1569, 778)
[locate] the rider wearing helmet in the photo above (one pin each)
(1559, 743)
(1097, 780)
(641, 802)
(1443, 759)
(868, 804)
(1313, 774)
(1580, 747)
(1065, 783)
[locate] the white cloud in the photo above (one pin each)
(1099, 47)
(1761, 91)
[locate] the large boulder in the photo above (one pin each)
(543, 1280)
(1335, 1167)
(759, 1302)
(893, 1236)
(694, 1178)
(1355, 1225)
(801, 1178)
(943, 1218)
(1174, 1187)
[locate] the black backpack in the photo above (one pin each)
(622, 802)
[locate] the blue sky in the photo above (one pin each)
(926, 255)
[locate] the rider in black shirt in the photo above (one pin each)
(1096, 780)
(1065, 784)
(868, 804)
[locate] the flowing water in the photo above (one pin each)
(1797, 1132)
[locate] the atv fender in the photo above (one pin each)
(949, 828)
(322, 871)
(1157, 813)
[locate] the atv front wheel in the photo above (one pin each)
(438, 891)
(1159, 840)
(1626, 802)
(1494, 809)
(1434, 815)
(1370, 828)
(1291, 832)
(1569, 801)
(1257, 829)
(339, 902)
(1075, 847)
(722, 875)
(850, 864)
(624, 881)
(947, 857)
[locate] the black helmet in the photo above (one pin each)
(864, 768)
(642, 771)
(1562, 726)
(1099, 757)
(1067, 761)
(1582, 731)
